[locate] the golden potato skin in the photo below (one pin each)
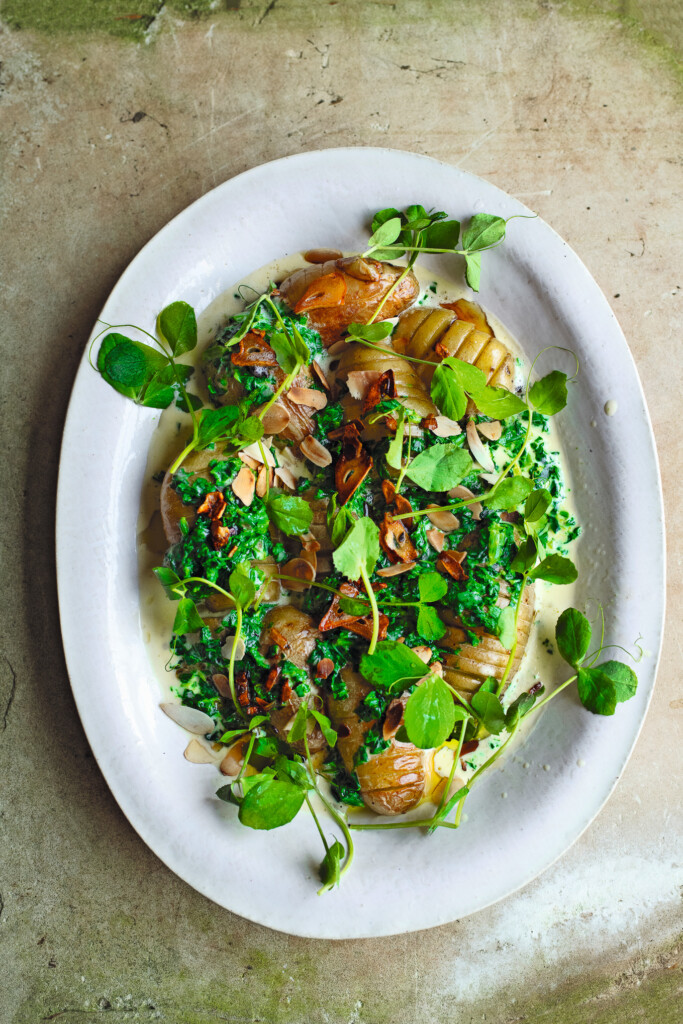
(418, 332)
(467, 670)
(392, 782)
(367, 281)
(409, 387)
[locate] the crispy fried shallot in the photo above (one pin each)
(334, 618)
(254, 350)
(395, 541)
(323, 293)
(451, 562)
(400, 504)
(383, 387)
(352, 466)
(324, 668)
(213, 504)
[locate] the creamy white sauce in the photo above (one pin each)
(172, 433)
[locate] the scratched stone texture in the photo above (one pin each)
(106, 134)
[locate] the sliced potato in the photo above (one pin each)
(409, 387)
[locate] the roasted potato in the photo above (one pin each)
(467, 669)
(391, 782)
(339, 292)
(461, 330)
(409, 387)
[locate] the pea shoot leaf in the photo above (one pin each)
(127, 365)
(429, 625)
(506, 630)
(215, 423)
(429, 715)
(177, 326)
(325, 726)
(509, 493)
(442, 234)
(447, 392)
(339, 521)
(298, 727)
(271, 803)
(294, 771)
(470, 377)
(498, 403)
(359, 550)
(521, 707)
(162, 388)
(431, 586)
(440, 467)
(169, 580)
(473, 270)
(573, 636)
(525, 557)
(187, 618)
(554, 569)
(490, 711)
(549, 394)
(382, 216)
(371, 332)
(289, 513)
(391, 664)
(538, 502)
(330, 869)
(290, 350)
(623, 678)
(386, 233)
(483, 231)
(597, 692)
(243, 586)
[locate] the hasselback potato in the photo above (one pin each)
(468, 666)
(339, 292)
(460, 330)
(391, 782)
(409, 387)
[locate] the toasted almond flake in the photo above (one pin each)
(423, 653)
(307, 396)
(196, 753)
(315, 451)
(189, 718)
(302, 570)
(248, 461)
(240, 648)
(276, 419)
(492, 430)
(262, 480)
(322, 255)
(293, 461)
(445, 427)
(445, 521)
(480, 452)
(286, 477)
(437, 539)
(393, 719)
(396, 570)
(221, 683)
(232, 762)
(337, 348)
(243, 486)
(317, 372)
(460, 492)
(359, 382)
(254, 451)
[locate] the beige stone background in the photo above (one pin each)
(114, 116)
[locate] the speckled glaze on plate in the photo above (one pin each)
(400, 881)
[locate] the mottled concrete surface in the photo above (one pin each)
(574, 107)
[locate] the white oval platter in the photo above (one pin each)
(400, 881)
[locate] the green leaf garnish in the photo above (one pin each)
(573, 636)
(483, 231)
(359, 551)
(330, 868)
(270, 803)
(187, 618)
(440, 467)
(537, 504)
(429, 715)
(549, 394)
(177, 326)
(509, 493)
(490, 710)
(391, 665)
(289, 513)
(554, 569)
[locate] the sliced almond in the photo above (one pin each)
(189, 718)
(248, 461)
(276, 419)
(445, 521)
(302, 571)
(322, 255)
(286, 477)
(360, 381)
(437, 539)
(464, 492)
(492, 430)
(480, 452)
(253, 451)
(396, 570)
(337, 348)
(293, 461)
(232, 762)
(315, 451)
(221, 683)
(240, 648)
(320, 376)
(423, 653)
(445, 427)
(393, 719)
(263, 479)
(243, 485)
(307, 396)
(196, 753)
